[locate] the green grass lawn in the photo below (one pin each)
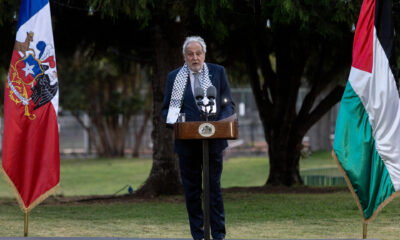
(255, 215)
(108, 176)
(317, 160)
(248, 216)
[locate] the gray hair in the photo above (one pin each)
(194, 39)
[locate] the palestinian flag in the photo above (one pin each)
(367, 138)
(30, 152)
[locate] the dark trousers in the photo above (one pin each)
(191, 175)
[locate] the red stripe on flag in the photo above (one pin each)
(364, 36)
(31, 150)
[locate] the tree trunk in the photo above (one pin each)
(164, 175)
(284, 160)
(139, 131)
(105, 146)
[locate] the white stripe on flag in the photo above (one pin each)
(379, 95)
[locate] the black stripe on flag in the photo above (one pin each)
(385, 32)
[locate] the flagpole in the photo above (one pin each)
(365, 230)
(26, 224)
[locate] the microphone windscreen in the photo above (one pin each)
(211, 92)
(198, 93)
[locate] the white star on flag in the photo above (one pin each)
(28, 69)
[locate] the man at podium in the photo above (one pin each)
(191, 90)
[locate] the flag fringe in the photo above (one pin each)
(19, 198)
(350, 186)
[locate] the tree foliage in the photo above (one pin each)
(277, 45)
(292, 44)
(103, 72)
(106, 90)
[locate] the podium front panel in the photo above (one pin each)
(206, 130)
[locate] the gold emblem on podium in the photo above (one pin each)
(206, 129)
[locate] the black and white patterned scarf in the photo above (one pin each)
(179, 87)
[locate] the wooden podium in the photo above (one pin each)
(224, 129)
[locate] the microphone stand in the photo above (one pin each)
(206, 187)
(206, 175)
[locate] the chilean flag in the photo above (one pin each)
(367, 138)
(30, 152)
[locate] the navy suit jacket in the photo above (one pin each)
(224, 103)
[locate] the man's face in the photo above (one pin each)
(194, 56)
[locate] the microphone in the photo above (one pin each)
(199, 95)
(211, 94)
